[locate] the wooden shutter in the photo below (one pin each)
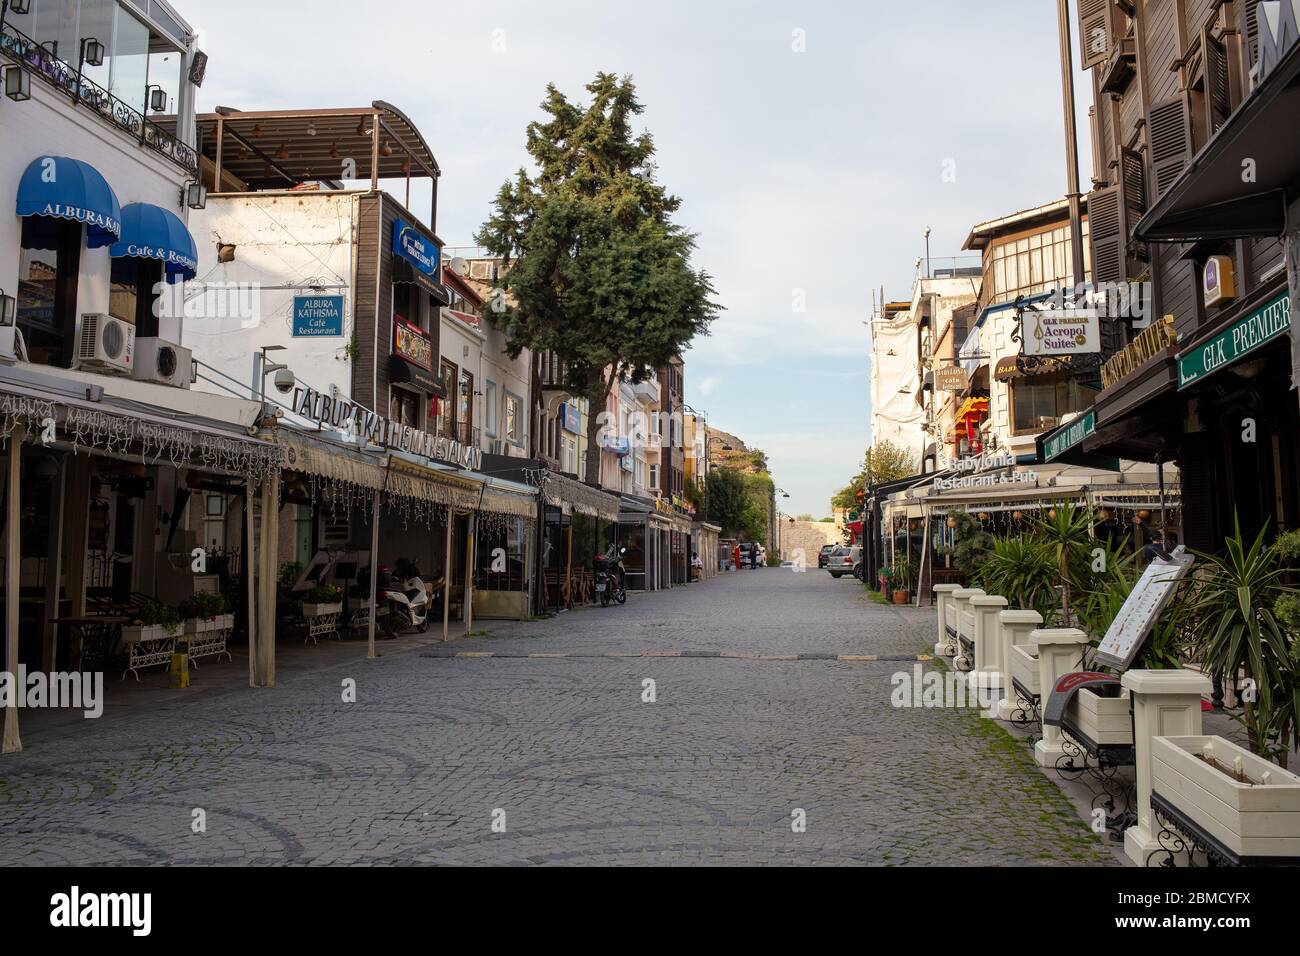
(1250, 55)
(1105, 231)
(1218, 91)
(1094, 32)
(1169, 135)
(1133, 201)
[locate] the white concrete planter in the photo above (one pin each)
(137, 633)
(204, 625)
(1024, 667)
(1259, 817)
(1104, 721)
(320, 610)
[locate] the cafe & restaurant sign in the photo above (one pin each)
(1268, 322)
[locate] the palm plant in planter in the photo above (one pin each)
(900, 575)
(1022, 569)
(1237, 632)
(1067, 531)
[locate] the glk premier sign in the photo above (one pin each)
(1069, 435)
(317, 315)
(1263, 325)
(1061, 332)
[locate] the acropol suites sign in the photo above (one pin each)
(1061, 332)
(1266, 323)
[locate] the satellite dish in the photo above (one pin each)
(458, 266)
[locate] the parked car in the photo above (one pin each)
(844, 560)
(824, 555)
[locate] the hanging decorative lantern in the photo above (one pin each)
(1052, 514)
(1104, 514)
(952, 522)
(983, 516)
(1144, 514)
(1018, 515)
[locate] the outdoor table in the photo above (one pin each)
(96, 637)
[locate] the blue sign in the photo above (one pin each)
(415, 248)
(570, 418)
(317, 315)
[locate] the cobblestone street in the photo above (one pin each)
(441, 736)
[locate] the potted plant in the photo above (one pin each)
(901, 573)
(323, 599)
(152, 621)
(1238, 634)
(1247, 804)
(206, 612)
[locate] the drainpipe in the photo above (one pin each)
(1071, 142)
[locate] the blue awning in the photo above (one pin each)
(56, 187)
(151, 232)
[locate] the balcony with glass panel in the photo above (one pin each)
(111, 59)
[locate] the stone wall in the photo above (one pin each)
(809, 535)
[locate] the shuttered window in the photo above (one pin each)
(1170, 137)
(1095, 33)
(1105, 223)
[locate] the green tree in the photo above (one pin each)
(601, 275)
(725, 499)
(883, 462)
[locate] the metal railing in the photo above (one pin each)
(31, 55)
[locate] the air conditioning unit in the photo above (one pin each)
(157, 360)
(106, 344)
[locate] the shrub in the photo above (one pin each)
(324, 594)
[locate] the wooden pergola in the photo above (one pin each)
(272, 149)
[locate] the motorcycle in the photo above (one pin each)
(407, 598)
(611, 576)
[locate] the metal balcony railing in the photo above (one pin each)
(24, 50)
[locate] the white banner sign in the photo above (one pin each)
(1060, 332)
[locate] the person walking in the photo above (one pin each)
(735, 557)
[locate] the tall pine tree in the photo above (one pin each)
(600, 274)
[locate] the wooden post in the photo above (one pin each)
(54, 563)
(374, 576)
(270, 550)
(77, 521)
(471, 528)
(446, 578)
(374, 162)
(249, 576)
(568, 569)
(13, 579)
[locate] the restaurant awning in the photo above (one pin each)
(405, 273)
(56, 187)
(151, 232)
(1023, 366)
(1212, 198)
(402, 372)
(569, 496)
(1064, 445)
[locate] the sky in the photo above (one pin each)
(808, 142)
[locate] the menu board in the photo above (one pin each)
(1148, 598)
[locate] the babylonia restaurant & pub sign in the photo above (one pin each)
(1263, 325)
(353, 419)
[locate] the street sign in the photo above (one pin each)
(1067, 436)
(950, 378)
(317, 315)
(1263, 325)
(1061, 331)
(1148, 598)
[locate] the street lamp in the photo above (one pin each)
(927, 252)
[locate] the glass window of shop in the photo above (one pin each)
(1044, 397)
(499, 557)
(48, 264)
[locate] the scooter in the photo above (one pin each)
(611, 576)
(407, 599)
